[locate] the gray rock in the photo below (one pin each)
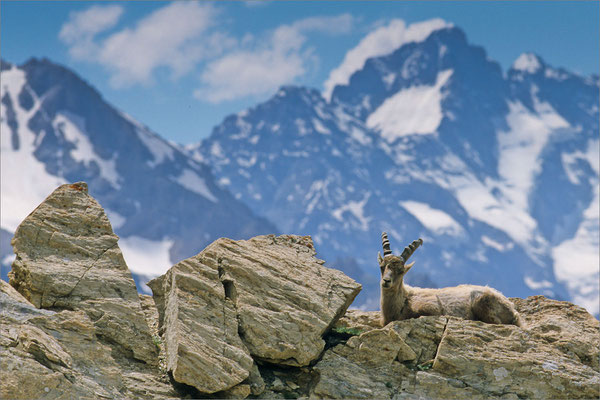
(67, 257)
(267, 297)
(47, 354)
(555, 355)
(203, 348)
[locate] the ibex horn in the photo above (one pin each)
(410, 249)
(386, 244)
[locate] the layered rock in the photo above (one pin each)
(74, 327)
(555, 355)
(203, 348)
(259, 317)
(67, 257)
(268, 298)
(49, 354)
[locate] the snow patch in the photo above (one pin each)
(433, 219)
(216, 150)
(415, 110)
(319, 127)
(576, 259)
(477, 199)
(527, 62)
(569, 162)
(22, 192)
(72, 128)
(521, 145)
(347, 123)
(145, 256)
(133, 121)
(246, 163)
(592, 155)
(194, 183)
(301, 125)
(159, 148)
(379, 42)
(356, 208)
(388, 79)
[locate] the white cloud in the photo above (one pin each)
(168, 37)
(83, 26)
(183, 37)
(90, 22)
(381, 41)
(261, 65)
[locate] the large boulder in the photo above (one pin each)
(49, 354)
(554, 355)
(67, 257)
(267, 298)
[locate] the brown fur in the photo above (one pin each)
(400, 301)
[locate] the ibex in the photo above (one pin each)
(400, 301)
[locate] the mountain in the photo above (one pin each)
(164, 206)
(497, 172)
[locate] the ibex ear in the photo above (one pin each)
(379, 258)
(408, 266)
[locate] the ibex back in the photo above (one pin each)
(400, 301)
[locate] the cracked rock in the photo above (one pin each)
(57, 355)
(267, 297)
(200, 330)
(67, 257)
(555, 356)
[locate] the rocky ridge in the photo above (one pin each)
(261, 318)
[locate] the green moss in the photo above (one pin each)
(157, 341)
(347, 331)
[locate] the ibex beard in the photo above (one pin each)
(400, 301)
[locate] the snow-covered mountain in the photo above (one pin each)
(163, 205)
(498, 172)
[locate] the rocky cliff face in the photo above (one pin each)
(260, 318)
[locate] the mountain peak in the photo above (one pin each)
(380, 42)
(293, 90)
(529, 62)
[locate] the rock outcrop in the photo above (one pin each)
(555, 355)
(266, 298)
(74, 327)
(67, 257)
(261, 318)
(49, 354)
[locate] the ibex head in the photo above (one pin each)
(394, 267)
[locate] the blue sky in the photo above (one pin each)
(181, 67)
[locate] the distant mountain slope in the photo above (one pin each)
(164, 205)
(497, 172)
